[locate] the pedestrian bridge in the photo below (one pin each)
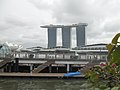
(44, 63)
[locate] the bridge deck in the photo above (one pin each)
(40, 75)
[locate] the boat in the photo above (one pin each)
(70, 74)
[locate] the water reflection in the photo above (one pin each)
(41, 84)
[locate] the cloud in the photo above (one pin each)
(33, 36)
(21, 19)
(41, 4)
(3, 26)
(85, 9)
(16, 21)
(32, 44)
(102, 16)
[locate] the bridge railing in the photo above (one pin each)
(88, 57)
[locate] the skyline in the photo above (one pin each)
(21, 20)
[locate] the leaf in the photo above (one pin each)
(116, 56)
(118, 68)
(115, 88)
(103, 87)
(115, 39)
(113, 51)
(109, 47)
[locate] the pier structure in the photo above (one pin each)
(56, 60)
(66, 34)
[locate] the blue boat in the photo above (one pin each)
(71, 74)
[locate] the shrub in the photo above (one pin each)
(107, 75)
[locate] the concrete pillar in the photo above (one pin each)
(52, 37)
(68, 67)
(1, 70)
(16, 64)
(66, 37)
(80, 35)
(31, 68)
(9, 66)
(57, 68)
(50, 68)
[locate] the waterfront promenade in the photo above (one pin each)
(38, 75)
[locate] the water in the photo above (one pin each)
(42, 84)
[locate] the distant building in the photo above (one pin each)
(66, 34)
(52, 37)
(4, 50)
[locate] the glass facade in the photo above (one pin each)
(5, 51)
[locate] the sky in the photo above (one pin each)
(20, 20)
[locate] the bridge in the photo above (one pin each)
(51, 60)
(36, 65)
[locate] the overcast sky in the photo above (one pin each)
(20, 20)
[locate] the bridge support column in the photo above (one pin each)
(1, 70)
(31, 68)
(9, 67)
(68, 67)
(57, 68)
(16, 64)
(50, 68)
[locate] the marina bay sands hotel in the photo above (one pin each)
(66, 34)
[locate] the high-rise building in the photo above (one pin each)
(80, 35)
(66, 37)
(66, 34)
(51, 37)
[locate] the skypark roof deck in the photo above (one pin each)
(61, 26)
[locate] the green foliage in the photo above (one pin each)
(104, 76)
(107, 76)
(115, 88)
(116, 56)
(114, 50)
(115, 39)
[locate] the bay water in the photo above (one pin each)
(42, 84)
